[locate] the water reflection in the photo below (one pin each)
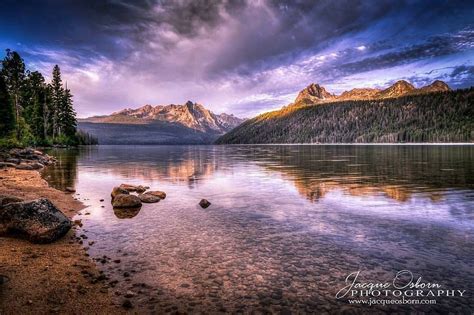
(398, 172)
(64, 173)
(287, 224)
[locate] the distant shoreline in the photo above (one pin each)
(370, 143)
(299, 144)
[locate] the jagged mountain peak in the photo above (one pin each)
(313, 93)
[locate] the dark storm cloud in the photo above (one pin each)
(462, 76)
(435, 46)
(114, 28)
(462, 71)
(280, 34)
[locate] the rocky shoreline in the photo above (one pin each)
(25, 159)
(58, 277)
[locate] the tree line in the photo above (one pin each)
(433, 117)
(34, 112)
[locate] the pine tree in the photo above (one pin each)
(68, 115)
(13, 71)
(57, 94)
(35, 105)
(7, 116)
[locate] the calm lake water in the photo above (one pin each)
(286, 226)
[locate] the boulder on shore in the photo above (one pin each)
(204, 203)
(148, 198)
(157, 193)
(39, 220)
(118, 191)
(126, 201)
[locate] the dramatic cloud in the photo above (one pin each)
(241, 57)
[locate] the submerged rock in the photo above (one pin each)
(118, 191)
(39, 220)
(157, 193)
(204, 203)
(6, 199)
(126, 201)
(148, 198)
(126, 213)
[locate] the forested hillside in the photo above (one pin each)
(435, 117)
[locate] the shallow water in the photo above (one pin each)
(286, 226)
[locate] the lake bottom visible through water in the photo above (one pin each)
(286, 227)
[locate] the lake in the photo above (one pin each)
(286, 225)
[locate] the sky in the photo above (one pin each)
(238, 57)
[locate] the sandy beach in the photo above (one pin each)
(49, 278)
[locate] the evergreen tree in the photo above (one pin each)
(68, 115)
(57, 97)
(13, 71)
(7, 116)
(35, 104)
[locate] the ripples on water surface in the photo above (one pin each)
(287, 224)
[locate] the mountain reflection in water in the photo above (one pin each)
(398, 172)
(287, 224)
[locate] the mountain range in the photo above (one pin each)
(315, 94)
(399, 113)
(190, 123)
